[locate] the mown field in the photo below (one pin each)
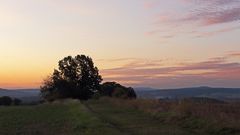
(124, 117)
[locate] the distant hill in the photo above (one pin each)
(26, 95)
(217, 93)
(33, 95)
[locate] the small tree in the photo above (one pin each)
(75, 78)
(17, 101)
(5, 100)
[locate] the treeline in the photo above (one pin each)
(78, 78)
(7, 101)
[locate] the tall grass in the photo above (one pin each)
(210, 117)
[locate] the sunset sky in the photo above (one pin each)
(152, 43)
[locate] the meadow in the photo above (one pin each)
(108, 116)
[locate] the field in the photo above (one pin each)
(126, 117)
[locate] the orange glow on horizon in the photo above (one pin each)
(137, 43)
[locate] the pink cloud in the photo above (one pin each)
(198, 14)
(213, 72)
(149, 5)
(212, 33)
(218, 17)
(235, 54)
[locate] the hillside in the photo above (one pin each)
(33, 95)
(26, 95)
(120, 117)
(49, 119)
(217, 93)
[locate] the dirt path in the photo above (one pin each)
(105, 120)
(130, 121)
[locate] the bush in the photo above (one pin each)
(17, 101)
(5, 100)
(113, 89)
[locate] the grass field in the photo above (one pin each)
(113, 117)
(52, 119)
(169, 118)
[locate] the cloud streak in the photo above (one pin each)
(235, 54)
(197, 14)
(213, 72)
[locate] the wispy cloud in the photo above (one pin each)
(234, 54)
(212, 33)
(213, 12)
(197, 15)
(149, 4)
(213, 72)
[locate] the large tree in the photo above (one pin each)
(76, 77)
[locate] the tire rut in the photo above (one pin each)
(103, 119)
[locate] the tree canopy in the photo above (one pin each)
(76, 77)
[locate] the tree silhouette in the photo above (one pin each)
(113, 89)
(5, 100)
(17, 101)
(75, 78)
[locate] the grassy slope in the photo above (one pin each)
(60, 119)
(132, 121)
(160, 117)
(105, 117)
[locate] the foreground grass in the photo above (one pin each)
(52, 119)
(130, 120)
(121, 117)
(171, 117)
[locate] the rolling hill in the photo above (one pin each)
(29, 95)
(26, 95)
(217, 93)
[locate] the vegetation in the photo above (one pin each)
(186, 116)
(7, 101)
(113, 89)
(59, 118)
(78, 78)
(17, 101)
(75, 78)
(118, 116)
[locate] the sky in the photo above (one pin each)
(138, 43)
